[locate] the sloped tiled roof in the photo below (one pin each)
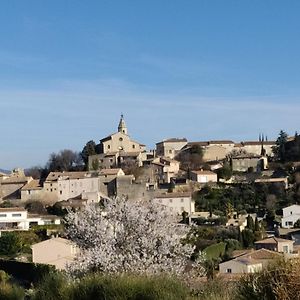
(15, 179)
(258, 143)
(173, 140)
(32, 185)
(221, 142)
(274, 240)
(53, 176)
(261, 254)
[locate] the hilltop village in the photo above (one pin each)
(240, 198)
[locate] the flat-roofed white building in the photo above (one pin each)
(291, 215)
(16, 218)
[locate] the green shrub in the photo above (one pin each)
(129, 287)
(55, 286)
(10, 244)
(281, 280)
(121, 287)
(216, 289)
(215, 251)
(9, 291)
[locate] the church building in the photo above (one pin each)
(117, 149)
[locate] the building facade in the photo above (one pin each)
(176, 203)
(117, 149)
(170, 147)
(58, 252)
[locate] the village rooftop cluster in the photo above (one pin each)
(183, 176)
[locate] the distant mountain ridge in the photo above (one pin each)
(4, 171)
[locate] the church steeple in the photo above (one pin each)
(122, 125)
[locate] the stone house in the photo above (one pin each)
(213, 150)
(58, 252)
(176, 202)
(255, 147)
(32, 191)
(170, 147)
(11, 185)
(51, 185)
(165, 168)
(246, 162)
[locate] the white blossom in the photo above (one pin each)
(123, 236)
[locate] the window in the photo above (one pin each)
(120, 139)
(171, 200)
(285, 249)
(2, 215)
(228, 271)
(60, 192)
(182, 208)
(133, 146)
(108, 146)
(291, 212)
(16, 215)
(111, 160)
(170, 151)
(181, 200)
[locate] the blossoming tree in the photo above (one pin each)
(123, 236)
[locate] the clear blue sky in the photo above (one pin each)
(195, 69)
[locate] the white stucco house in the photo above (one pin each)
(16, 218)
(250, 262)
(203, 176)
(58, 252)
(290, 216)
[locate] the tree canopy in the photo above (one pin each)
(64, 160)
(123, 236)
(89, 149)
(280, 148)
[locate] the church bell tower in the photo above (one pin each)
(122, 125)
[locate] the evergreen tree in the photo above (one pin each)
(279, 150)
(250, 223)
(248, 238)
(256, 225)
(88, 149)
